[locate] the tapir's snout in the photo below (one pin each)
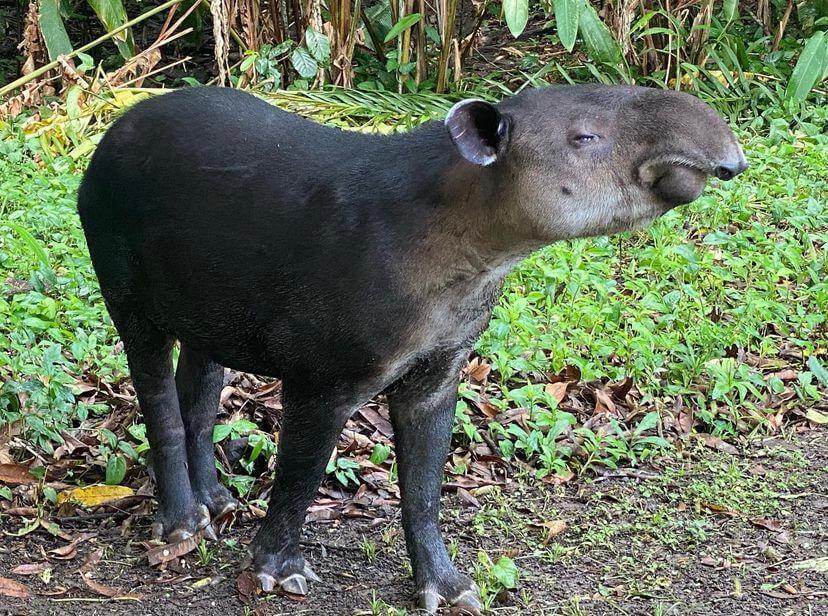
(677, 179)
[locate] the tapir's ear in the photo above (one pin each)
(479, 131)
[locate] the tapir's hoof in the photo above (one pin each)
(295, 583)
(218, 500)
(458, 592)
(177, 528)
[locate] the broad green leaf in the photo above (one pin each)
(115, 470)
(648, 422)
(818, 370)
(600, 45)
(221, 432)
(53, 30)
(506, 572)
(304, 63)
(402, 25)
(810, 67)
(318, 45)
(567, 13)
(516, 13)
(113, 15)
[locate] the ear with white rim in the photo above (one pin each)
(479, 131)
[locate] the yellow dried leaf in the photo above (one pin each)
(92, 496)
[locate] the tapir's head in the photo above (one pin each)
(574, 161)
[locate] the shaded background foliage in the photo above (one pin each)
(601, 352)
(763, 51)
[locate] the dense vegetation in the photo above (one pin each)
(600, 352)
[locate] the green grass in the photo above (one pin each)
(739, 274)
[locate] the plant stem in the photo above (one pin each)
(22, 81)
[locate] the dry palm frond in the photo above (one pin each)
(220, 12)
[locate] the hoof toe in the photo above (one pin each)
(468, 600)
(430, 601)
(267, 582)
(179, 535)
(450, 589)
(295, 584)
(210, 533)
(310, 574)
(227, 508)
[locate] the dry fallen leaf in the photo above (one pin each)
(246, 586)
(12, 588)
(171, 551)
(714, 442)
(31, 568)
(553, 529)
(106, 591)
(767, 523)
(69, 551)
(16, 474)
(556, 390)
(93, 496)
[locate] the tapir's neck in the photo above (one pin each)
(464, 238)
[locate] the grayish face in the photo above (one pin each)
(578, 161)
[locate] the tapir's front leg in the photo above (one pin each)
(311, 425)
(422, 408)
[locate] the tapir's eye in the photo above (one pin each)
(585, 139)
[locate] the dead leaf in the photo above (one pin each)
(106, 591)
(246, 586)
(620, 391)
(171, 551)
(13, 588)
(767, 523)
(377, 420)
(16, 475)
(478, 369)
(467, 497)
(783, 375)
(69, 551)
(714, 442)
(556, 390)
(31, 568)
(709, 561)
(819, 565)
(719, 509)
(553, 529)
(96, 495)
(91, 561)
(603, 402)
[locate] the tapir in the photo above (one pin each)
(350, 265)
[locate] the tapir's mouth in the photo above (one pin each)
(674, 180)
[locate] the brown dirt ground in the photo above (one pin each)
(704, 532)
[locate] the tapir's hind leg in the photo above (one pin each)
(310, 427)
(148, 352)
(150, 364)
(199, 380)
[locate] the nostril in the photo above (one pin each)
(724, 172)
(728, 171)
